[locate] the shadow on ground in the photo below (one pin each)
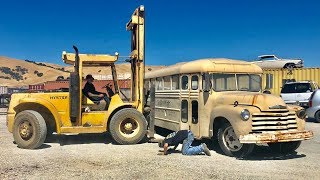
(43, 146)
(63, 140)
(259, 153)
(264, 153)
(311, 120)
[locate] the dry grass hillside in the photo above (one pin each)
(18, 73)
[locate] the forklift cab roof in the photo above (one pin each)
(90, 59)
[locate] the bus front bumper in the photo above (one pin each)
(276, 137)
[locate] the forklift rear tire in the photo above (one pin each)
(29, 129)
(128, 126)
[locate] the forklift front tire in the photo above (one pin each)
(128, 126)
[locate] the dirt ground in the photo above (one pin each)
(94, 156)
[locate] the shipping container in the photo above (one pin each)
(274, 79)
(3, 89)
(55, 85)
(36, 87)
(99, 84)
(4, 100)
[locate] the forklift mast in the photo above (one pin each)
(136, 25)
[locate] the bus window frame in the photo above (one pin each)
(170, 84)
(198, 82)
(178, 83)
(157, 85)
(188, 87)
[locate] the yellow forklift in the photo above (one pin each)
(33, 116)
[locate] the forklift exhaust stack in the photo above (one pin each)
(74, 89)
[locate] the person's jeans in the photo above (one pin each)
(187, 149)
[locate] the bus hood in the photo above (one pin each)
(266, 102)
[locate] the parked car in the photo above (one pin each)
(298, 92)
(272, 62)
(314, 106)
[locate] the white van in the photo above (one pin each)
(298, 92)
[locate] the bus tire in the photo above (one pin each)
(317, 116)
(284, 147)
(230, 144)
(128, 126)
(29, 129)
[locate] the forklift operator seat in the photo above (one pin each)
(94, 105)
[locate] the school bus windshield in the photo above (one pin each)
(236, 82)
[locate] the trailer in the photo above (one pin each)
(274, 79)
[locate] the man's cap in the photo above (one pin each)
(89, 76)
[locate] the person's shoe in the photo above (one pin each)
(206, 150)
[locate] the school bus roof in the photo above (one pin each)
(214, 65)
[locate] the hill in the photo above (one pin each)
(18, 73)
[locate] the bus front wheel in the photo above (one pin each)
(230, 144)
(128, 126)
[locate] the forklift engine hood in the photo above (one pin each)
(265, 102)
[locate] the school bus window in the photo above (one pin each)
(224, 82)
(194, 112)
(159, 84)
(194, 82)
(243, 82)
(147, 85)
(184, 84)
(231, 85)
(184, 111)
(167, 83)
(152, 82)
(255, 83)
(175, 82)
(249, 82)
(204, 81)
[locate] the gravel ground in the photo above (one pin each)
(94, 156)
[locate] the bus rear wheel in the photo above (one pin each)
(128, 126)
(230, 144)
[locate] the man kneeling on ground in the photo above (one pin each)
(184, 137)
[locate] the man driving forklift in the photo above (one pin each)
(90, 92)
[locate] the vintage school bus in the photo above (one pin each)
(221, 99)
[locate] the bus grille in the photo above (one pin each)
(270, 122)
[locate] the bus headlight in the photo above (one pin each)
(245, 114)
(301, 113)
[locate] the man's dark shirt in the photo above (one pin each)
(176, 138)
(89, 87)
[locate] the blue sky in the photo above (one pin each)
(175, 30)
